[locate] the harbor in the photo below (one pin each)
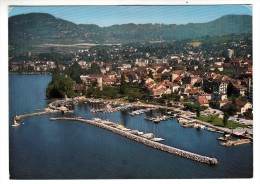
(89, 149)
(143, 139)
(64, 106)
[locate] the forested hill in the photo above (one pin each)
(36, 29)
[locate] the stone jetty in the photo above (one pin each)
(235, 142)
(145, 141)
(19, 117)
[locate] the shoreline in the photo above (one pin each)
(30, 73)
(51, 109)
(173, 109)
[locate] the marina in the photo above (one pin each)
(94, 149)
(145, 139)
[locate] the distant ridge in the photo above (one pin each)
(29, 30)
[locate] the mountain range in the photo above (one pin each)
(34, 30)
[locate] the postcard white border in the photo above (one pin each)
(4, 116)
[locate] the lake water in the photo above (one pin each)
(43, 149)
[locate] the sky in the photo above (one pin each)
(110, 15)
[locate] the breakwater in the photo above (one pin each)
(19, 117)
(145, 141)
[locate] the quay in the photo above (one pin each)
(236, 142)
(145, 141)
(221, 129)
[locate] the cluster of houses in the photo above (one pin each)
(198, 87)
(173, 74)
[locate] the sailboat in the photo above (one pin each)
(156, 138)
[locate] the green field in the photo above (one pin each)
(215, 120)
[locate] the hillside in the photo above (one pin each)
(31, 32)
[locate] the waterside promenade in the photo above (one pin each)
(145, 141)
(226, 130)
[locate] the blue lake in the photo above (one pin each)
(43, 149)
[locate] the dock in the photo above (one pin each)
(141, 111)
(143, 140)
(235, 142)
(158, 119)
(110, 110)
(212, 128)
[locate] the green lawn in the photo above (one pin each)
(215, 120)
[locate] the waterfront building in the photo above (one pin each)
(243, 106)
(201, 101)
(93, 78)
(219, 88)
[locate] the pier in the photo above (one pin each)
(110, 110)
(235, 142)
(141, 111)
(158, 119)
(17, 118)
(141, 139)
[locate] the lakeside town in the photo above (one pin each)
(209, 82)
(120, 98)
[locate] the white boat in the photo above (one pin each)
(157, 139)
(196, 126)
(125, 129)
(148, 136)
(96, 119)
(140, 133)
(202, 126)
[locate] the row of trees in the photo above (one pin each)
(195, 108)
(113, 92)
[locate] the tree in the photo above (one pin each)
(74, 71)
(94, 69)
(198, 111)
(134, 94)
(232, 110)
(122, 88)
(225, 118)
(59, 87)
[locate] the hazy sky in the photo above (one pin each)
(110, 15)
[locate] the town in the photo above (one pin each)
(214, 72)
